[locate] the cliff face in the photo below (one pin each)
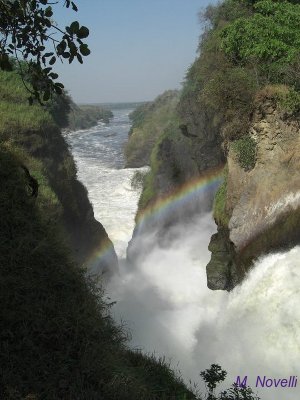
(149, 121)
(262, 202)
(30, 134)
(187, 149)
(85, 236)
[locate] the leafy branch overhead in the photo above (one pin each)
(28, 32)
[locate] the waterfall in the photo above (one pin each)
(251, 331)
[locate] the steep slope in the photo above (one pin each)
(58, 340)
(149, 120)
(259, 211)
(31, 132)
(239, 108)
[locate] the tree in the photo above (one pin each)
(214, 375)
(270, 38)
(28, 32)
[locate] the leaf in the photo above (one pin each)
(49, 12)
(83, 32)
(46, 96)
(59, 84)
(66, 54)
(47, 70)
(52, 61)
(61, 47)
(84, 50)
(73, 48)
(53, 75)
(58, 90)
(74, 27)
(74, 7)
(79, 58)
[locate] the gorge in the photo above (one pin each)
(148, 241)
(163, 297)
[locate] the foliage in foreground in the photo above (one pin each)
(214, 375)
(28, 31)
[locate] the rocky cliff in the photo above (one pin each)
(31, 135)
(86, 237)
(239, 107)
(261, 203)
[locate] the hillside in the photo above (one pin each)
(149, 121)
(58, 340)
(238, 111)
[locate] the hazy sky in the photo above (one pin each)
(139, 48)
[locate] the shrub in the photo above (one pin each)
(137, 181)
(245, 148)
(220, 213)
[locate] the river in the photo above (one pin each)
(99, 157)
(252, 331)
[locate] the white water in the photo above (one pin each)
(253, 330)
(98, 153)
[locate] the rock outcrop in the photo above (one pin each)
(86, 237)
(263, 202)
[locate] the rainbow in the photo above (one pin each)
(165, 205)
(178, 198)
(103, 255)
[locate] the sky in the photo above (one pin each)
(139, 48)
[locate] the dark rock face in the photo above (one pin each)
(221, 270)
(86, 237)
(180, 159)
(204, 133)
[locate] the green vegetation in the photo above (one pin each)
(214, 375)
(149, 191)
(86, 116)
(269, 39)
(137, 116)
(245, 148)
(158, 161)
(248, 54)
(29, 32)
(149, 122)
(220, 212)
(58, 340)
(246, 46)
(137, 181)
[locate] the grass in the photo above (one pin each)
(58, 340)
(220, 213)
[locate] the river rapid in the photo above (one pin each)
(252, 331)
